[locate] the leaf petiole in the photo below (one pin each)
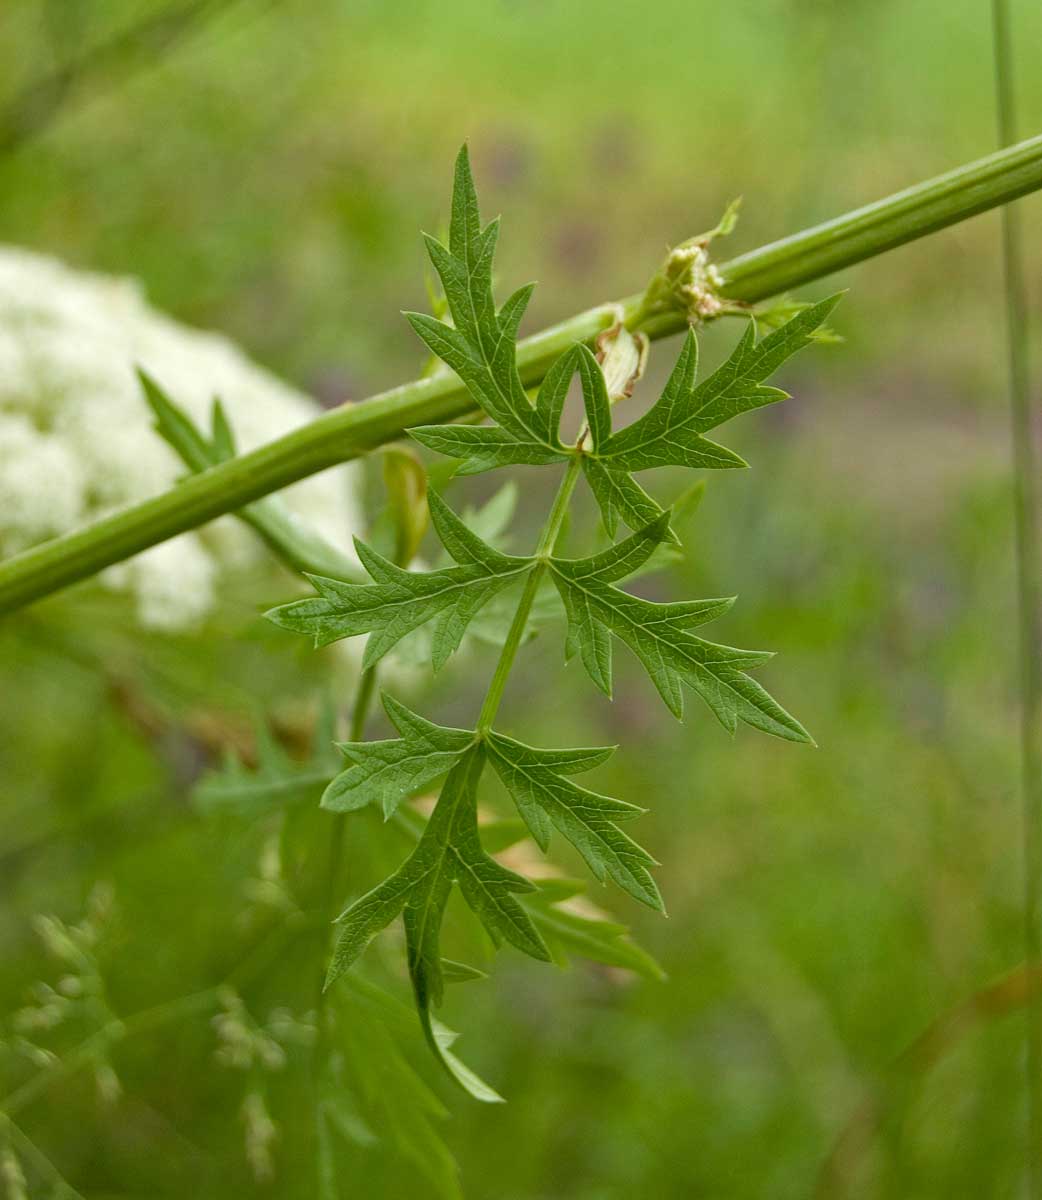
(547, 541)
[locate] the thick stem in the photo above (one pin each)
(350, 431)
(547, 541)
(1029, 598)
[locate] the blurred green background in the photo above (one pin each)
(265, 171)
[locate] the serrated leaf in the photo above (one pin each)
(489, 522)
(595, 399)
(671, 432)
(619, 495)
(483, 447)
(659, 635)
(384, 773)
(399, 601)
(537, 780)
(553, 392)
(449, 852)
(480, 346)
(300, 547)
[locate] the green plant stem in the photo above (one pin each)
(352, 430)
(547, 541)
(840, 1173)
(1029, 595)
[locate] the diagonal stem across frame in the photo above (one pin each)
(352, 430)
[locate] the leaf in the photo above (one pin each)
(537, 780)
(567, 930)
(457, 972)
(440, 1039)
(384, 773)
(619, 495)
(659, 635)
(449, 852)
(180, 432)
(399, 601)
(488, 522)
(481, 347)
(300, 547)
(553, 392)
(671, 433)
(394, 1102)
(483, 447)
(277, 780)
(595, 399)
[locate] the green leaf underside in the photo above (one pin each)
(483, 447)
(672, 432)
(449, 852)
(545, 797)
(399, 601)
(384, 773)
(481, 345)
(659, 635)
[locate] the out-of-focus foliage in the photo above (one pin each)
(75, 438)
(825, 905)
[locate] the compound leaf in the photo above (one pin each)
(672, 432)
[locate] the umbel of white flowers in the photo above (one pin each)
(76, 440)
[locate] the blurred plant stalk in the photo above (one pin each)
(355, 429)
(1029, 592)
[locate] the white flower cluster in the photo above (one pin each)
(76, 440)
